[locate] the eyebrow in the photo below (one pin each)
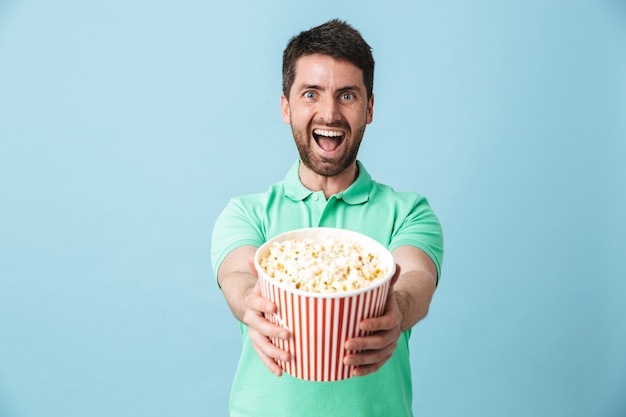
(341, 89)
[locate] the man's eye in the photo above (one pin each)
(347, 96)
(309, 95)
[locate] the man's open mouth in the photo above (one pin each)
(328, 140)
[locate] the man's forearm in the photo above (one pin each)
(235, 287)
(416, 284)
(236, 279)
(414, 292)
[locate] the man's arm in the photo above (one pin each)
(243, 295)
(407, 304)
(416, 284)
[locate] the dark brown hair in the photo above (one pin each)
(335, 38)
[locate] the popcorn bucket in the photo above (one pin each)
(321, 323)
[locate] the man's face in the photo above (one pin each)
(328, 110)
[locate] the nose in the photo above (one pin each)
(329, 110)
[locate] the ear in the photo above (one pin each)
(370, 109)
(284, 105)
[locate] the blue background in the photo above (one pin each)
(125, 127)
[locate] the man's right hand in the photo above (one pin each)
(260, 330)
(238, 279)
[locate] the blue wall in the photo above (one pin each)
(125, 126)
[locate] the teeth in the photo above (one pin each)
(328, 133)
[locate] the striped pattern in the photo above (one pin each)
(320, 325)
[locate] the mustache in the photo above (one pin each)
(333, 125)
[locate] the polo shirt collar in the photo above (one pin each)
(356, 193)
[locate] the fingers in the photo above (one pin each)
(372, 352)
(260, 324)
(362, 370)
(260, 330)
(388, 321)
(268, 353)
(391, 318)
(255, 309)
(379, 341)
(255, 303)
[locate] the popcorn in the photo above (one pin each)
(323, 267)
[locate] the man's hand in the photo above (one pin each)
(238, 279)
(410, 296)
(372, 352)
(260, 330)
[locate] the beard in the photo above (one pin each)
(327, 167)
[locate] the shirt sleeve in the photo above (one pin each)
(236, 226)
(421, 228)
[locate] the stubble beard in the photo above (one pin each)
(326, 167)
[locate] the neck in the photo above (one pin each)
(329, 185)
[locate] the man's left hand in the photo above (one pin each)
(373, 351)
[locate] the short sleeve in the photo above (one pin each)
(236, 226)
(421, 228)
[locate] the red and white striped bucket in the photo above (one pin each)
(321, 323)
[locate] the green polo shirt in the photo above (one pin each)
(394, 219)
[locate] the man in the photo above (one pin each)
(328, 100)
